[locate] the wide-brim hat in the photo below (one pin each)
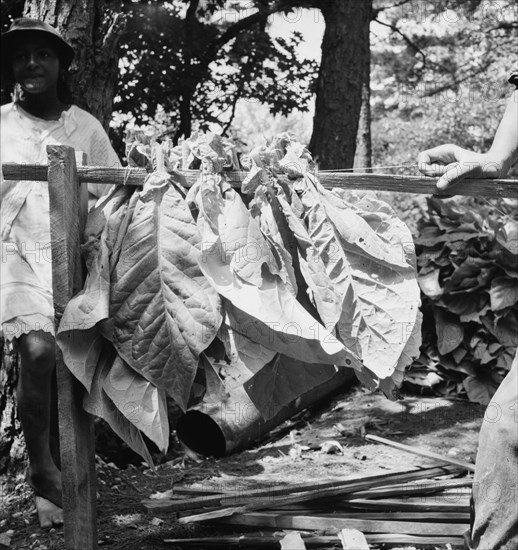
(25, 24)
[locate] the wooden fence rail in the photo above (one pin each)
(489, 188)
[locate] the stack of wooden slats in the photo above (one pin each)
(427, 506)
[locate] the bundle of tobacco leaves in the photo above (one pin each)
(198, 291)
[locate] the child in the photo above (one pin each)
(495, 487)
(36, 58)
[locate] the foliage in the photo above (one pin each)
(440, 75)
(467, 262)
(195, 62)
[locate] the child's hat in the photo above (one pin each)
(24, 24)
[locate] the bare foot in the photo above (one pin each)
(46, 484)
(49, 514)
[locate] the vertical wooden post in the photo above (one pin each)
(75, 425)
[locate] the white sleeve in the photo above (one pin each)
(101, 154)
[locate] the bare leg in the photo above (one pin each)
(54, 423)
(37, 354)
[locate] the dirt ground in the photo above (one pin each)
(292, 454)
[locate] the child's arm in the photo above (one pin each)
(453, 163)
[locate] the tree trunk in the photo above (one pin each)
(93, 28)
(12, 445)
(345, 61)
(363, 154)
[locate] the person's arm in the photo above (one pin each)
(453, 163)
(505, 145)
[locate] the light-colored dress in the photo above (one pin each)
(26, 264)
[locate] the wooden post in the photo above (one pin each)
(75, 425)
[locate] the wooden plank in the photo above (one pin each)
(313, 522)
(489, 188)
(312, 541)
(394, 505)
(421, 452)
(407, 489)
(341, 512)
(75, 425)
(395, 538)
(266, 497)
(436, 517)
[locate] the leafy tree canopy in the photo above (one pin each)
(439, 74)
(195, 60)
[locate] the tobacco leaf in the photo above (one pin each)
(260, 306)
(429, 283)
(450, 331)
(479, 390)
(141, 403)
(262, 208)
(164, 311)
(379, 294)
(79, 334)
(98, 403)
(503, 293)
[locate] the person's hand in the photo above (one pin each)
(453, 163)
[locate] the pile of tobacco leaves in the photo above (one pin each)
(468, 274)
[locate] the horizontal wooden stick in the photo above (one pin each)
(436, 517)
(329, 521)
(87, 174)
(489, 188)
(421, 452)
(428, 516)
(407, 489)
(390, 538)
(393, 505)
(272, 541)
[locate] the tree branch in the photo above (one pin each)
(376, 12)
(412, 44)
(457, 81)
(259, 17)
(236, 98)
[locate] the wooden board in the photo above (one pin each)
(393, 505)
(408, 490)
(314, 522)
(313, 541)
(489, 188)
(421, 452)
(75, 425)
